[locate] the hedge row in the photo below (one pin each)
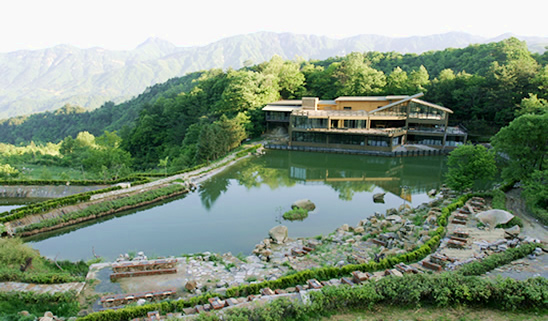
(40, 182)
(442, 290)
(44, 206)
(101, 208)
(498, 259)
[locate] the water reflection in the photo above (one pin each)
(347, 175)
(234, 210)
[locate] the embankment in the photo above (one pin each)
(41, 191)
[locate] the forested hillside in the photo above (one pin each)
(43, 80)
(200, 116)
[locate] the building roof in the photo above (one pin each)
(422, 102)
(287, 108)
(407, 98)
(370, 98)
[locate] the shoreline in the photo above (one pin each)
(191, 179)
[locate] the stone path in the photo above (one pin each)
(41, 288)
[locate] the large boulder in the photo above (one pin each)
(493, 218)
(278, 234)
(304, 204)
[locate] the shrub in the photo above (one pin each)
(296, 214)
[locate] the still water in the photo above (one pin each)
(233, 211)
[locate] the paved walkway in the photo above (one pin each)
(41, 288)
(195, 177)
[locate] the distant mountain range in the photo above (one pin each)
(40, 80)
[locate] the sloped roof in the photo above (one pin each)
(407, 98)
(422, 102)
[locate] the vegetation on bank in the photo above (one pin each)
(105, 208)
(60, 304)
(522, 155)
(19, 262)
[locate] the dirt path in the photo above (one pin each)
(531, 226)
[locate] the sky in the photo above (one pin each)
(123, 25)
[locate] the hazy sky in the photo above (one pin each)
(122, 24)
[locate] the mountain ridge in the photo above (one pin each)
(46, 79)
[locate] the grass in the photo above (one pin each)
(14, 254)
(385, 312)
(36, 172)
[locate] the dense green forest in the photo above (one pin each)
(198, 117)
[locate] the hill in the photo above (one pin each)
(44, 80)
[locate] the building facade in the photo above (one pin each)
(375, 123)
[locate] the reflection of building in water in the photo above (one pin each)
(402, 176)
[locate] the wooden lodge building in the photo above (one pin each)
(373, 123)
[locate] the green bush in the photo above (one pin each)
(296, 214)
(495, 260)
(60, 304)
(499, 200)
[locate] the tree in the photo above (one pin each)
(7, 171)
(532, 105)
(163, 163)
(356, 78)
(467, 164)
(523, 145)
(535, 190)
(418, 79)
(397, 83)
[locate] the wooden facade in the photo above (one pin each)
(379, 123)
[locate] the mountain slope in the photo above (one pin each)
(41, 80)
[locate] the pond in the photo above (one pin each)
(235, 209)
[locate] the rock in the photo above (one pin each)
(304, 204)
(24, 313)
(48, 314)
(391, 211)
(396, 273)
(345, 227)
(432, 220)
(514, 230)
(373, 220)
(493, 218)
(266, 242)
(260, 246)
(432, 193)
(191, 285)
(267, 253)
(359, 229)
(379, 197)
(141, 302)
(537, 251)
(395, 219)
(278, 234)
(46, 319)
